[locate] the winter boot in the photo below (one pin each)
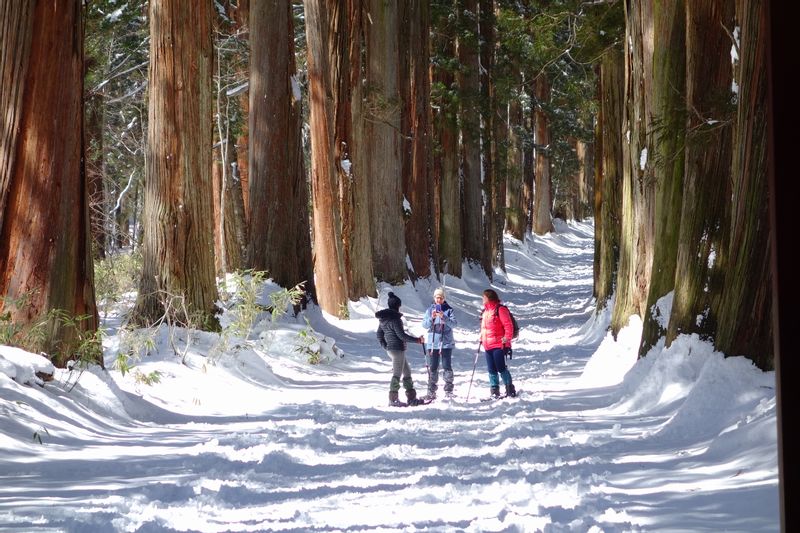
(394, 398)
(511, 391)
(411, 396)
(494, 392)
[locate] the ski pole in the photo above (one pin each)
(474, 366)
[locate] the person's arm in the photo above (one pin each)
(450, 318)
(381, 337)
(427, 320)
(401, 334)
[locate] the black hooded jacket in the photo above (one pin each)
(390, 330)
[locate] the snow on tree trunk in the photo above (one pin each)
(178, 247)
(279, 240)
(668, 127)
(708, 167)
(744, 313)
(46, 271)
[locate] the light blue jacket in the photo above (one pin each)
(440, 330)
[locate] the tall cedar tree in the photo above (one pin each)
(608, 178)
(45, 251)
(744, 313)
(279, 239)
(351, 157)
(492, 252)
(668, 125)
(178, 255)
(706, 195)
(447, 182)
(637, 202)
(469, 82)
(382, 141)
(415, 91)
(323, 37)
(543, 186)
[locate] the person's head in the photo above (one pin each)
(489, 295)
(438, 296)
(394, 302)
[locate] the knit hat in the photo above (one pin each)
(394, 302)
(438, 292)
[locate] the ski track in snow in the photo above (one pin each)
(328, 454)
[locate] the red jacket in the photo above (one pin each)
(495, 326)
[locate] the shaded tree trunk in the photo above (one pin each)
(470, 87)
(515, 206)
(417, 187)
(178, 258)
(351, 157)
(492, 252)
(637, 202)
(543, 186)
(708, 168)
(46, 272)
(744, 313)
(447, 182)
(382, 116)
(95, 174)
(585, 178)
(609, 176)
(279, 227)
(529, 160)
(668, 128)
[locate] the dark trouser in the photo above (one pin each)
(434, 356)
(496, 365)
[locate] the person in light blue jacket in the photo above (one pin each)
(439, 320)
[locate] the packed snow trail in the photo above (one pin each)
(262, 441)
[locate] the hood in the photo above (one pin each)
(388, 314)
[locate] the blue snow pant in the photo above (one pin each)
(433, 357)
(496, 365)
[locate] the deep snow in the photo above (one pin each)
(257, 439)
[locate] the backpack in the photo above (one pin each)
(513, 320)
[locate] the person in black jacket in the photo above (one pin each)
(393, 339)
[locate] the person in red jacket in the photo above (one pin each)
(496, 333)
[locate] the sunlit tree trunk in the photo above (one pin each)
(543, 186)
(744, 313)
(638, 190)
(529, 159)
(706, 195)
(608, 179)
(329, 265)
(279, 239)
(669, 131)
(178, 247)
(470, 86)
(46, 271)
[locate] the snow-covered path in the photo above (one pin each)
(261, 441)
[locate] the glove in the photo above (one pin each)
(508, 351)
